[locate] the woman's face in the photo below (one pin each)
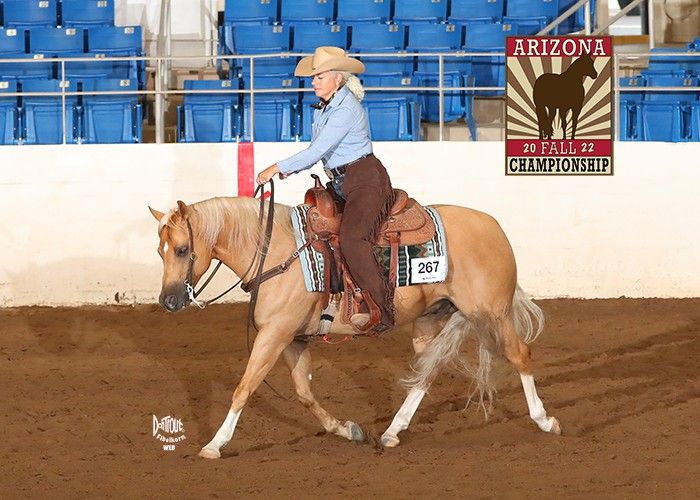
(326, 83)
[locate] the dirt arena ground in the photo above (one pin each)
(79, 388)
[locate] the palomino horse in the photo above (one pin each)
(480, 297)
(563, 92)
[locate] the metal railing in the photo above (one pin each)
(161, 90)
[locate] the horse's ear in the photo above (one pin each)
(183, 209)
(158, 215)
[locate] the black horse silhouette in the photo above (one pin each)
(562, 92)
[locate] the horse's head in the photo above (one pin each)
(185, 255)
(586, 66)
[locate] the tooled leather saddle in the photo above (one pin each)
(408, 223)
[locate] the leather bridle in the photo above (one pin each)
(192, 294)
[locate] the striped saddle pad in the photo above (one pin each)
(418, 264)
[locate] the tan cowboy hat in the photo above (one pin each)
(327, 59)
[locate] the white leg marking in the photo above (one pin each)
(534, 404)
(223, 435)
(403, 417)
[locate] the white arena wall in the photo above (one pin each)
(76, 229)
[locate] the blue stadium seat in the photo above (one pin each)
(363, 11)
(665, 114)
(671, 64)
(254, 39)
(209, 117)
(111, 119)
(273, 82)
(487, 71)
(379, 39)
(439, 38)
(36, 67)
(115, 40)
(42, 116)
(53, 42)
(531, 16)
(122, 41)
(430, 100)
(435, 38)
(275, 113)
(11, 42)
(695, 44)
(420, 11)
(250, 12)
(306, 11)
(476, 11)
(393, 115)
(93, 67)
(576, 21)
(27, 13)
(274, 121)
(630, 116)
(694, 122)
(251, 40)
(84, 13)
(309, 36)
(9, 117)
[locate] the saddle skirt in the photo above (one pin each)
(410, 247)
(408, 222)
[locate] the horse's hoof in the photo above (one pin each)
(390, 441)
(355, 431)
(556, 426)
(209, 453)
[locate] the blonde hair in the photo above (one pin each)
(353, 84)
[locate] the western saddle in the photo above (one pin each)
(408, 224)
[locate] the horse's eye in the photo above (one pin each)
(181, 251)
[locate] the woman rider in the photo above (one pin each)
(340, 138)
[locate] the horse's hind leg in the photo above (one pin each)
(425, 328)
(574, 122)
(518, 353)
(542, 122)
(298, 359)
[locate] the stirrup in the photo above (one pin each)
(360, 320)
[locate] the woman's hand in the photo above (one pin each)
(268, 174)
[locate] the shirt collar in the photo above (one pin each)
(335, 99)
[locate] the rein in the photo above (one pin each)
(252, 285)
(191, 292)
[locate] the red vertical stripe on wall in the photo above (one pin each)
(246, 169)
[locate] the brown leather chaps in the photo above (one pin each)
(368, 200)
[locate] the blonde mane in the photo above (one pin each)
(209, 218)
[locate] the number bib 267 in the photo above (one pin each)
(428, 269)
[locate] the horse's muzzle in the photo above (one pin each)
(173, 301)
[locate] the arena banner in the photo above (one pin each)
(559, 93)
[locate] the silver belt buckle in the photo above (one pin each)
(329, 173)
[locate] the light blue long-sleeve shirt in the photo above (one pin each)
(340, 134)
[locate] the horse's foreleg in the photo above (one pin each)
(298, 359)
(574, 123)
(550, 122)
(425, 329)
(518, 353)
(266, 349)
